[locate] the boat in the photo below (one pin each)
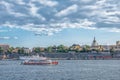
(33, 57)
(37, 60)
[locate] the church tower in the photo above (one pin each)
(94, 43)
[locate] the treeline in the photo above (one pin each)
(50, 49)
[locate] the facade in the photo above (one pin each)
(15, 50)
(27, 50)
(5, 47)
(76, 47)
(118, 43)
(105, 47)
(95, 45)
(117, 48)
(42, 49)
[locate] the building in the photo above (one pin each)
(27, 50)
(76, 47)
(15, 50)
(105, 48)
(118, 43)
(94, 45)
(5, 47)
(117, 47)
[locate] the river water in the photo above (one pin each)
(65, 70)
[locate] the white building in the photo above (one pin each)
(27, 50)
(117, 48)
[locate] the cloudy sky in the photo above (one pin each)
(31, 23)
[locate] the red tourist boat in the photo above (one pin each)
(37, 60)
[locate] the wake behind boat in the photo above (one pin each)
(37, 60)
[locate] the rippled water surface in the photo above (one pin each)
(65, 70)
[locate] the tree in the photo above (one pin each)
(49, 49)
(1, 50)
(20, 51)
(86, 48)
(62, 48)
(37, 50)
(9, 51)
(112, 50)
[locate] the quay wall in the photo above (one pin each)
(82, 56)
(72, 56)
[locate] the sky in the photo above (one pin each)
(34, 23)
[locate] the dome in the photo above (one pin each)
(94, 43)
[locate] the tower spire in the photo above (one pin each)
(94, 43)
(94, 39)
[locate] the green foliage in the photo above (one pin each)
(86, 48)
(49, 49)
(1, 50)
(62, 48)
(10, 50)
(20, 51)
(112, 50)
(37, 50)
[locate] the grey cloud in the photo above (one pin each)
(51, 16)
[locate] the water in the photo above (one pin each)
(65, 70)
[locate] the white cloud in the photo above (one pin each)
(111, 30)
(83, 1)
(10, 10)
(15, 37)
(21, 2)
(91, 7)
(80, 24)
(51, 16)
(111, 19)
(68, 10)
(114, 30)
(86, 1)
(103, 11)
(52, 28)
(101, 2)
(49, 3)
(34, 11)
(5, 38)
(11, 25)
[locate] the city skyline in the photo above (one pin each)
(33, 23)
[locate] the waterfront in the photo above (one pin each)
(65, 70)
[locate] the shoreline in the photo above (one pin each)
(63, 59)
(69, 56)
